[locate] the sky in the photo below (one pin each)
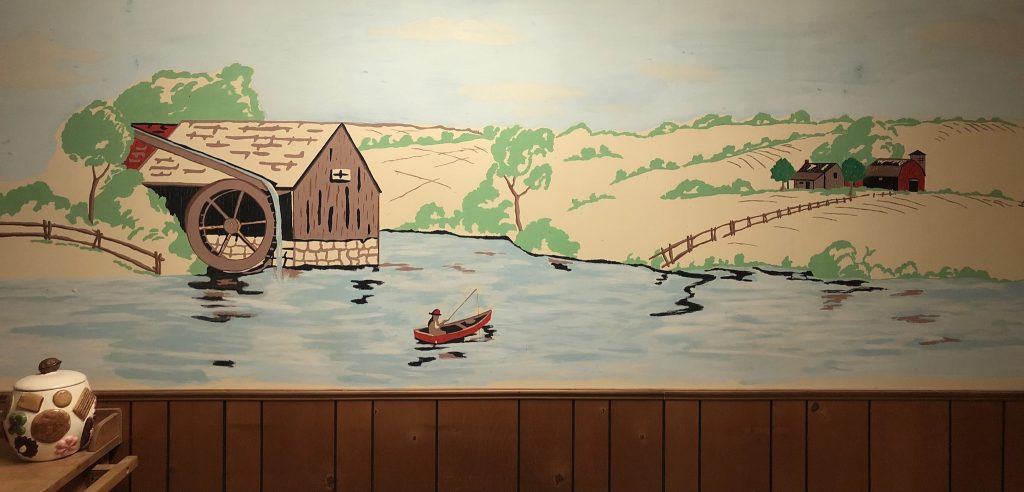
(623, 65)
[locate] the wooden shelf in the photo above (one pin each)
(81, 471)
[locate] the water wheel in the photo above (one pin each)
(230, 225)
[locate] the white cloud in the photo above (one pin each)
(442, 29)
(520, 93)
(31, 60)
(669, 71)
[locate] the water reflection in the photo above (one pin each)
(402, 267)
(661, 279)
(560, 264)
(219, 288)
(217, 284)
(487, 336)
(738, 275)
(688, 306)
(592, 323)
(366, 284)
(834, 298)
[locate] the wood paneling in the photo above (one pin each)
(545, 445)
(837, 446)
(355, 446)
(789, 437)
(196, 446)
(636, 445)
(242, 441)
(682, 445)
(404, 445)
(149, 443)
(299, 441)
(298, 445)
(976, 445)
(126, 437)
(590, 445)
(1013, 442)
(734, 446)
(909, 442)
(477, 445)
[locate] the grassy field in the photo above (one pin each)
(621, 196)
(695, 178)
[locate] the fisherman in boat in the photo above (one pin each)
(434, 325)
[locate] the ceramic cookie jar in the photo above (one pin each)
(51, 413)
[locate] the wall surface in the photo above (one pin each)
(534, 441)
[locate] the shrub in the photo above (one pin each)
(539, 232)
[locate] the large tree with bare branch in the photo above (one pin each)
(514, 151)
(96, 136)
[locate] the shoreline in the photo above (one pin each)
(40, 265)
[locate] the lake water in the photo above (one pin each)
(556, 325)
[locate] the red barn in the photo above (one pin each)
(897, 174)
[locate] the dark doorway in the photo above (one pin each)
(913, 185)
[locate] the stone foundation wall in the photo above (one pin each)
(236, 248)
(355, 252)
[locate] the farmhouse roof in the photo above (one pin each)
(280, 151)
(813, 170)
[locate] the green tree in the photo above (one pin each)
(782, 172)
(171, 96)
(514, 151)
(96, 136)
(762, 119)
(479, 208)
(853, 171)
(856, 141)
(799, 116)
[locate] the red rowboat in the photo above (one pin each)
(455, 330)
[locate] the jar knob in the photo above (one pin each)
(49, 365)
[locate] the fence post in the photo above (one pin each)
(778, 214)
(748, 221)
(689, 243)
(732, 227)
(157, 257)
(99, 237)
(714, 233)
(47, 230)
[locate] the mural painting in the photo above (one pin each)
(263, 222)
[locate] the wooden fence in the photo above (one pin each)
(670, 255)
(95, 239)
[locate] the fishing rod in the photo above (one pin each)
(460, 306)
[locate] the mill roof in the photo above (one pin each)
(141, 151)
(280, 151)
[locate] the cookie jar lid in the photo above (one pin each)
(50, 377)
